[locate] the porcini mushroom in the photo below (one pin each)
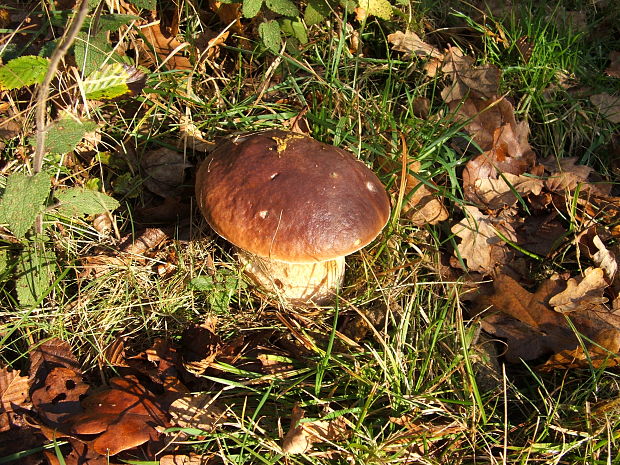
(294, 208)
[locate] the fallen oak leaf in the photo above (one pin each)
(124, 416)
(581, 293)
(607, 105)
(410, 42)
(198, 411)
(604, 351)
(503, 191)
(482, 246)
(165, 48)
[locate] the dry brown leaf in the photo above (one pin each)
(483, 80)
(124, 416)
(503, 191)
(607, 105)
(565, 173)
(201, 346)
(47, 356)
(275, 365)
(423, 205)
(581, 293)
(302, 435)
(59, 397)
(13, 395)
(613, 69)
(604, 351)
(166, 48)
(165, 170)
(409, 42)
(200, 411)
(605, 259)
(541, 234)
(228, 13)
(532, 329)
(481, 246)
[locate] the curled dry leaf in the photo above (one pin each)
(481, 246)
(302, 435)
(124, 416)
(13, 395)
(200, 411)
(47, 356)
(581, 293)
(191, 459)
(605, 259)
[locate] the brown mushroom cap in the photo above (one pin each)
(288, 197)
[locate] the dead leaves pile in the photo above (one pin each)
(143, 411)
(523, 212)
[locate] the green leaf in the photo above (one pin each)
(316, 12)
(108, 82)
(23, 200)
(220, 288)
(270, 34)
(112, 22)
(294, 28)
(78, 201)
(4, 263)
(36, 268)
(23, 71)
(146, 4)
(65, 133)
(251, 8)
(93, 52)
(379, 8)
(283, 7)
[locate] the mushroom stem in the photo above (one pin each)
(297, 283)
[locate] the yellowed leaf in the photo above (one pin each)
(501, 192)
(603, 352)
(302, 435)
(166, 48)
(379, 8)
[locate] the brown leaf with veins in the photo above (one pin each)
(481, 246)
(13, 395)
(166, 48)
(531, 327)
(165, 170)
(503, 191)
(483, 80)
(124, 416)
(581, 293)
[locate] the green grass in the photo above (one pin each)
(422, 359)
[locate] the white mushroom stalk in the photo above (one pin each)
(293, 207)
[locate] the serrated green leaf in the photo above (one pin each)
(23, 71)
(65, 133)
(23, 200)
(146, 4)
(36, 268)
(294, 28)
(316, 12)
(78, 201)
(250, 8)
(108, 82)
(379, 8)
(92, 52)
(269, 33)
(283, 7)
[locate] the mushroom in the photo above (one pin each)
(293, 207)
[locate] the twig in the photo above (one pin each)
(61, 50)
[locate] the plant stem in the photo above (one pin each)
(44, 90)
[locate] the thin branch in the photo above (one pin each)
(44, 90)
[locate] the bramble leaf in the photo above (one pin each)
(77, 201)
(35, 270)
(23, 71)
(23, 200)
(270, 34)
(66, 132)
